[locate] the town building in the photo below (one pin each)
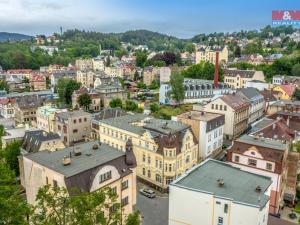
(95, 97)
(11, 135)
(37, 82)
(7, 107)
(287, 91)
(73, 126)
(215, 192)
(85, 77)
(257, 101)
(84, 64)
(55, 76)
(238, 78)
(45, 118)
(283, 105)
(208, 54)
(267, 157)
(150, 74)
(259, 85)
(208, 129)
(195, 91)
(88, 167)
(236, 111)
(98, 64)
(39, 140)
(164, 149)
(277, 80)
(164, 74)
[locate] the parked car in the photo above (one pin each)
(148, 193)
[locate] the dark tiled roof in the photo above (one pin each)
(29, 102)
(250, 93)
(241, 73)
(235, 101)
(109, 113)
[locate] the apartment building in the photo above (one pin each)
(37, 82)
(73, 126)
(271, 158)
(236, 112)
(164, 150)
(7, 107)
(238, 78)
(85, 77)
(287, 91)
(208, 129)
(45, 118)
(215, 192)
(95, 97)
(89, 167)
(39, 140)
(84, 64)
(283, 105)
(150, 74)
(257, 101)
(208, 54)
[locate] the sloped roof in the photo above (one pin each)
(241, 73)
(235, 101)
(288, 88)
(250, 93)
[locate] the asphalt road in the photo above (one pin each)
(153, 211)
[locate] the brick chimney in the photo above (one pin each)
(216, 79)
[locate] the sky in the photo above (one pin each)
(180, 18)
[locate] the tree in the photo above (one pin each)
(131, 106)
(297, 94)
(154, 107)
(65, 89)
(154, 85)
(189, 47)
(296, 70)
(133, 219)
(4, 86)
(116, 103)
(10, 155)
(141, 58)
(2, 133)
(177, 89)
(141, 85)
(84, 100)
(55, 206)
(237, 51)
(13, 207)
(136, 76)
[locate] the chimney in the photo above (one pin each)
(274, 126)
(258, 189)
(216, 79)
(221, 182)
(66, 160)
(288, 121)
(77, 151)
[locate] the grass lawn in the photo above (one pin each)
(166, 112)
(297, 208)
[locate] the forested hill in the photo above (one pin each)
(5, 36)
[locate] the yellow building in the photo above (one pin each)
(208, 54)
(238, 78)
(163, 149)
(45, 118)
(287, 91)
(88, 167)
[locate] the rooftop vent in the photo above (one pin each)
(77, 151)
(66, 160)
(95, 146)
(258, 189)
(221, 182)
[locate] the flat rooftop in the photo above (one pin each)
(200, 115)
(71, 114)
(263, 142)
(239, 186)
(88, 159)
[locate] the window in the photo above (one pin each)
(187, 159)
(144, 172)
(170, 167)
(252, 162)
(85, 119)
(209, 137)
(226, 208)
(114, 190)
(47, 180)
(160, 164)
(220, 220)
(149, 173)
(80, 120)
(212, 106)
(156, 163)
(104, 177)
(225, 108)
(158, 178)
(144, 158)
(124, 184)
(221, 107)
(55, 183)
(269, 166)
(149, 159)
(124, 201)
(74, 121)
(236, 158)
(75, 131)
(217, 106)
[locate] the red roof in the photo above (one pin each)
(7, 100)
(18, 71)
(38, 78)
(288, 88)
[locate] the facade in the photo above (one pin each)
(55, 76)
(84, 64)
(45, 118)
(208, 54)
(150, 74)
(236, 111)
(7, 108)
(287, 91)
(73, 126)
(25, 110)
(85, 77)
(164, 150)
(208, 129)
(38, 82)
(95, 97)
(259, 85)
(287, 105)
(217, 193)
(39, 140)
(277, 80)
(196, 91)
(267, 157)
(164, 74)
(11, 135)
(256, 100)
(88, 167)
(238, 78)
(98, 64)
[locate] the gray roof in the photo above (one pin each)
(250, 93)
(109, 113)
(155, 126)
(71, 114)
(263, 142)
(261, 124)
(88, 159)
(286, 102)
(240, 186)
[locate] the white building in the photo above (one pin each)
(217, 193)
(164, 74)
(259, 85)
(277, 80)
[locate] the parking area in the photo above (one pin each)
(153, 211)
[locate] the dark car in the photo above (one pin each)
(148, 193)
